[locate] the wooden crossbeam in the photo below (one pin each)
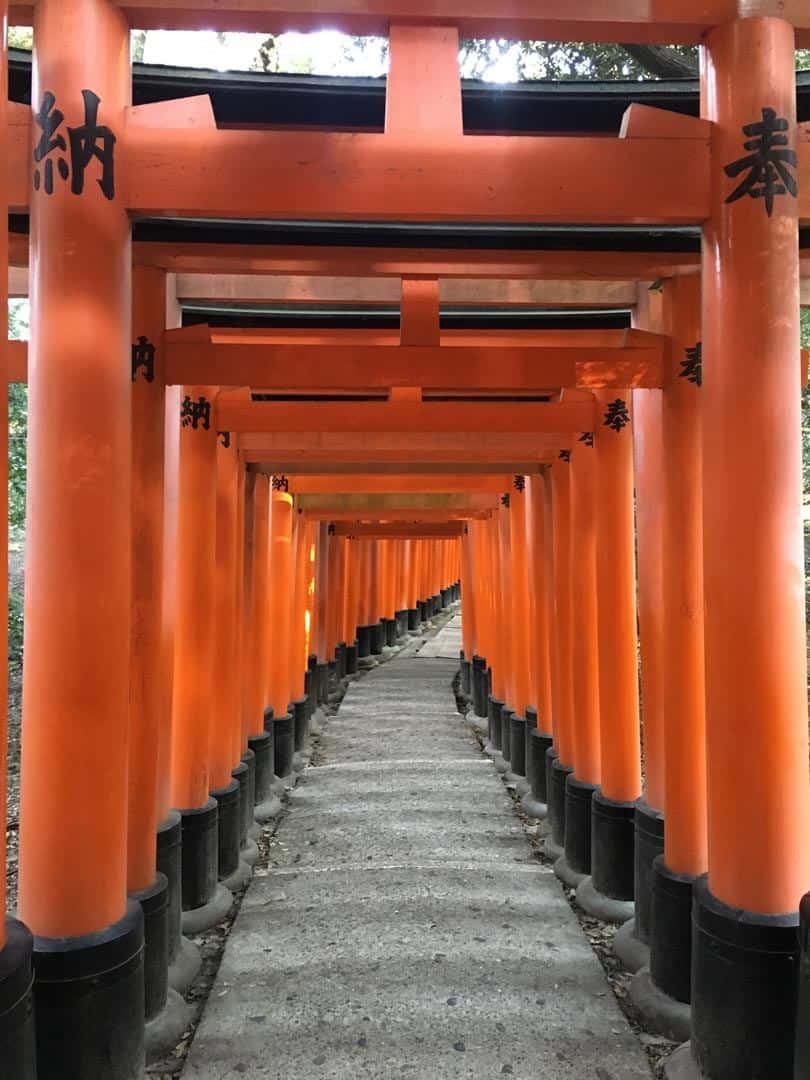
(395, 262)
(547, 418)
(344, 176)
(394, 513)
(675, 21)
(397, 452)
(400, 530)
(373, 484)
(368, 360)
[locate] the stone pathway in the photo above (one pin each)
(405, 929)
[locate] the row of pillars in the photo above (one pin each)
(626, 673)
(158, 741)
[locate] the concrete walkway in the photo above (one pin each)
(406, 930)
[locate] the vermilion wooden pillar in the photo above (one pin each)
(194, 654)
(153, 877)
(632, 940)
(560, 760)
(539, 728)
(685, 854)
(73, 821)
(469, 633)
(539, 590)
(298, 631)
(609, 891)
(281, 601)
(582, 784)
(226, 788)
(258, 613)
(745, 913)
(147, 706)
(262, 735)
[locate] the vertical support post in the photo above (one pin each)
(685, 856)
(225, 787)
(519, 620)
(560, 759)
(745, 915)
(583, 782)
(631, 943)
(539, 725)
(16, 940)
(280, 717)
(608, 893)
(73, 821)
(204, 902)
(469, 631)
(152, 879)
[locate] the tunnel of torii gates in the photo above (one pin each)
(224, 522)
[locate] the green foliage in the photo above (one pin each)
(15, 622)
(20, 37)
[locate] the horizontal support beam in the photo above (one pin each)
(344, 176)
(400, 530)
(517, 361)
(551, 418)
(439, 451)
(347, 468)
(373, 484)
(299, 289)
(373, 177)
(395, 262)
(674, 21)
(362, 504)
(408, 516)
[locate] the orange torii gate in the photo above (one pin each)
(740, 173)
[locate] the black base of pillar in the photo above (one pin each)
(229, 827)
(351, 659)
(284, 743)
(17, 1045)
(170, 864)
(413, 619)
(401, 619)
(649, 845)
(480, 686)
(517, 746)
(340, 660)
(199, 855)
(613, 844)
(556, 778)
(578, 818)
(322, 681)
(465, 675)
(154, 903)
(422, 608)
(390, 632)
(436, 603)
(494, 715)
(363, 641)
(506, 733)
(246, 780)
(671, 937)
(88, 1001)
(300, 714)
(538, 744)
(377, 638)
(802, 1064)
(744, 990)
(309, 689)
(263, 749)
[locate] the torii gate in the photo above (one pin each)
(740, 172)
